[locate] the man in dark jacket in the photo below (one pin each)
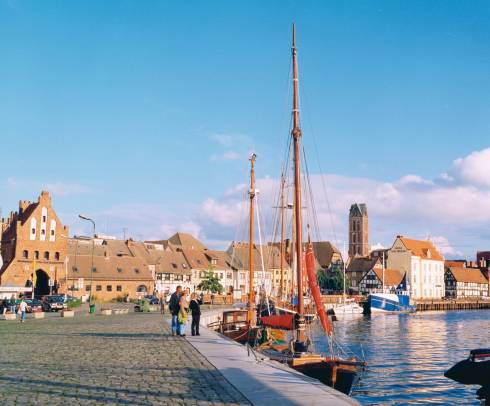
(174, 307)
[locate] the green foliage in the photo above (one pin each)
(74, 303)
(210, 283)
(332, 280)
(121, 298)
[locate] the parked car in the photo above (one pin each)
(152, 299)
(54, 303)
(34, 306)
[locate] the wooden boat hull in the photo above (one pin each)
(334, 373)
(337, 373)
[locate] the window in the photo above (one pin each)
(87, 288)
(174, 265)
(98, 288)
(136, 270)
(119, 270)
(229, 275)
(44, 219)
(141, 289)
(46, 255)
(109, 288)
(214, 262)
(52, 232)
(74, 269)
(43, 232)
(57, 256)
(36, 254)
(179, 277)
(119, 288)
(25, 254)
(199, 262)
(33, 231)
(166, 276)
(94, 269)
(184, 266)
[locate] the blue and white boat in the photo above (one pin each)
(398, 302)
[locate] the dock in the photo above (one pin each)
(452, 305)
(260, 380)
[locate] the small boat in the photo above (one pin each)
(390, 303)
(475, 370)
(348, 307)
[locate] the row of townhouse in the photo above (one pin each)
(418, 267)
(38, 254)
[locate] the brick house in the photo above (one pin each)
(34, 246)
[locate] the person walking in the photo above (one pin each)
(183, 313)
(174, 307)
(22, 309)
(12, 304)
(196, 314)
(162, 304)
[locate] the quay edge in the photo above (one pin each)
(260, 380)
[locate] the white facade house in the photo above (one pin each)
(423, 265)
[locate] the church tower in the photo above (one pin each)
(358, 230)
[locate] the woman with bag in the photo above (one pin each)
(182, 316)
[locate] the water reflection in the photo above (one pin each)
(408, 354)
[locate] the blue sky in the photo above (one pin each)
(142, 114)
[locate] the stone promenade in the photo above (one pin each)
(92, 360)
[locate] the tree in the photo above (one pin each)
(210, 283)
(332, 280)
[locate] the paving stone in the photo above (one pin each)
(125, 360)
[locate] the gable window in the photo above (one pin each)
(74, 269)
(136, 270)
(32, 237)
(94, 269)
(174, 265)
(184, 266)
(36, 254)
(44, 219)
(119, 270)
(46, 255)
(57, 256)
(199, 262)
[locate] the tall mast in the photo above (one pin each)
(251, 298)
(283, 288)
(300, 343)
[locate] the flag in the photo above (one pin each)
(34, 276)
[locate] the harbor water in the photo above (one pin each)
(409, 353)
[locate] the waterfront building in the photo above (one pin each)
(357, 267)
(423, 265)
(116, 272)
(377, 281)
(358, 230)
(34, 245)
(220, 266)
(465, 283)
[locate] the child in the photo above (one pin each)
(196, 314)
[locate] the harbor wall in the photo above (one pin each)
(452, 305)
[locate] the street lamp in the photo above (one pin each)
(91, 305)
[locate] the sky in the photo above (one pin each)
(142, 115)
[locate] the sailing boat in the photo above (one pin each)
(237, 324)
(334, 370)
(348, 306)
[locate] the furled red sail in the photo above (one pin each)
(282, 321)
(315, 290)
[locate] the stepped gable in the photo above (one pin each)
(422, 248)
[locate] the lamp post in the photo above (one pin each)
(91, 305)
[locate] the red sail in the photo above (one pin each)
(315, 290)
(281, 321)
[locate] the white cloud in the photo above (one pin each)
(65, 189)
(474, 168)
(226, 156)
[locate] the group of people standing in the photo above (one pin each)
(180, 305)
(13, 306)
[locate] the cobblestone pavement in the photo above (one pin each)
(92, 360)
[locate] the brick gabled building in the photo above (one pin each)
(34, 242)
